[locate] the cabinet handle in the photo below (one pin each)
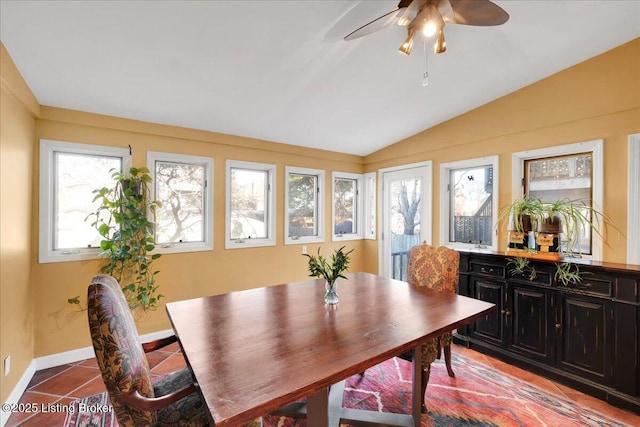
(484, 270)
(503, 311)
(558, 326)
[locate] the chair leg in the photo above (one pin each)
(425, 380)
(447, 360)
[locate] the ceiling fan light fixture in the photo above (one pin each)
(441, 45)
(429, 29)
(433, 21)
(403, 21)
(406, 46)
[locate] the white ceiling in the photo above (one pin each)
(280, 71)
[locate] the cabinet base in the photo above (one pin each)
(599, 391)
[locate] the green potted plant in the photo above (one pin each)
(557, 226)
(521, 215)
(124, 224)
(330, 271)
(565, 219)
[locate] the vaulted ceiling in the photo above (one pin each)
(281, 71)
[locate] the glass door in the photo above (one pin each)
(406, 216)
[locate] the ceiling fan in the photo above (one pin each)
(430, 16)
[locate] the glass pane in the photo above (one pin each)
(249, 208)
(404, 222)
(76, 176)
(344, 200)
(557, 178)
(303, 204)
(472, 205)
(181, 190)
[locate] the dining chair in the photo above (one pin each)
(136, 399)
(435, 268)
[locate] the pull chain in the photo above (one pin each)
(425, 76)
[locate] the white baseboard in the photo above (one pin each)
(58, 359)
(79, 354)
(18, 391)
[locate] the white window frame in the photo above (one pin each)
(445, 202)
(370, 205)
(633, 197)
(320, 208)
(596, 148)
(207, 163)
(48, 148)
(270, 240)
(359, 202)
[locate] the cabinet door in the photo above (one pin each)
(491, 327)
(585, 345)
(532, 323)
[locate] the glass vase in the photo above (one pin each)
(331, 292)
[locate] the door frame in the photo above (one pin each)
(633, 197)
(427, 190)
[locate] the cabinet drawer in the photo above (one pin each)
(627, 289)
(543, 278)
(592, 285)
(487, 269)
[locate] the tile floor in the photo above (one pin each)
(62, 384)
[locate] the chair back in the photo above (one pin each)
(118, 349)
(434, 267)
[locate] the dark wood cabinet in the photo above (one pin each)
(586, 335)
(531, 323)
(490, 327)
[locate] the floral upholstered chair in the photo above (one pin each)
(136, 399)
(435, 268)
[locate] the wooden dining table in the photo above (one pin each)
(253, 352)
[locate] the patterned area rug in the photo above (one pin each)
(478, 396)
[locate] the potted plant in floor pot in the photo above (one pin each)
(330, 271)
(124, 220)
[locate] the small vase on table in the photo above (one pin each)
(331, 292)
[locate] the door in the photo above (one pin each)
(585, 346)
(532, 324)
(490, 328)
(406, 215)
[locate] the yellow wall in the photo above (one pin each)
(17, 105)
(599, 98)
(596, 99)
(58, 328)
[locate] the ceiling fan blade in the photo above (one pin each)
(373, 26)
(478, 12)
(410, 12)
(445, 9)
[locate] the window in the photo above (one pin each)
(304, 196)
(558, 178)
(573, 171)
(184, 187)
(347, 206)
(468, 206)
(69, 173)
(370, 205)
(250, 202)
